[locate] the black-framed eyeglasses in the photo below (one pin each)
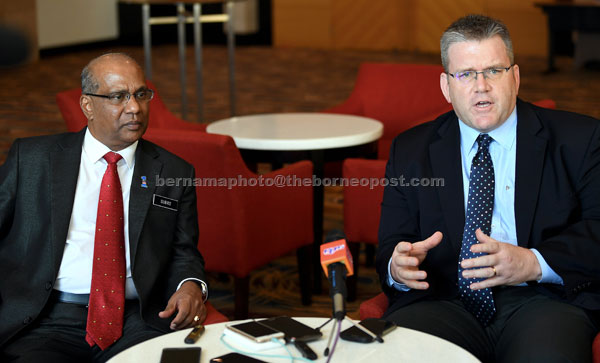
(491, 74)
(122, 97)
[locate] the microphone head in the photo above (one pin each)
(335, 235)
(336, 251)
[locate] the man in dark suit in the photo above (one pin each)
(51, 234)
(495, 245)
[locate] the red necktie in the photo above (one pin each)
(107, 294)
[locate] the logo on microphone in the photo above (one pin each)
(334, 249)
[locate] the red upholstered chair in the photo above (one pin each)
(244, 227)
(398, 95)
(160, 116)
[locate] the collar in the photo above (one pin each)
(505, 135)
(95, 150)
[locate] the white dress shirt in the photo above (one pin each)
(75, 273)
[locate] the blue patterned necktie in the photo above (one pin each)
(480, 204)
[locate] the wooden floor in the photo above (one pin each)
(268, 80)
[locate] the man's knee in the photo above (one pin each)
(447, 320)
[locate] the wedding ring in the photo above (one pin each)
(196, 318)
(494, 269)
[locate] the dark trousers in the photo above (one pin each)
(58, 336)
(527, 327)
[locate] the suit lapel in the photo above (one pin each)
(64, 170)
(140, 198)
(446, 163)
(531, 149)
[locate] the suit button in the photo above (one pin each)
(27, 320)
(48, 285)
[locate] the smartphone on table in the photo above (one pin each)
(181, 355)
(293, 329)
(379, 327)
(255, 331)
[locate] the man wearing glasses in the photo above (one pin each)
(93, 257)
(503, 258)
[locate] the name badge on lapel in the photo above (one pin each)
(164, 202)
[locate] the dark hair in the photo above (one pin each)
(474, 27)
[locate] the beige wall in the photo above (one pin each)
(68, 22)
(398, 24)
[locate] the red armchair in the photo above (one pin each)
(399, 95)
(160, 116)
(244, 227)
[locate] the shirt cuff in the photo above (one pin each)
(393, 283)
(548, 274)
(203, 286)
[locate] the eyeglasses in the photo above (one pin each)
(121, 98)
(491, 74)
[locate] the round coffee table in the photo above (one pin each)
(400, 345)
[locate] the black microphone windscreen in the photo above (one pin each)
(334, 235)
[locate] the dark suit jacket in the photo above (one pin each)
(557, 202)
(37, 189)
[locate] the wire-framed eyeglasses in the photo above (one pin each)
(491, 74)
(121, 98)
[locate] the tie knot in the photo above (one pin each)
(112, 158)
(484, 141)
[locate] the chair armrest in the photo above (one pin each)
(374, 307)
(213, 316)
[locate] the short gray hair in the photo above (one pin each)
(474, 27)
(89, 83)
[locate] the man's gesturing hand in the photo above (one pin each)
(187, 301)
(406, 260)
(503, 264)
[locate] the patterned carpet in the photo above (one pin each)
(268, 80)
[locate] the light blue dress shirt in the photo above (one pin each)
(503, 151)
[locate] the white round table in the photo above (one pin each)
(400, 345)
(298, 131)
(288, 137)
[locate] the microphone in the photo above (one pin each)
(336, 260)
